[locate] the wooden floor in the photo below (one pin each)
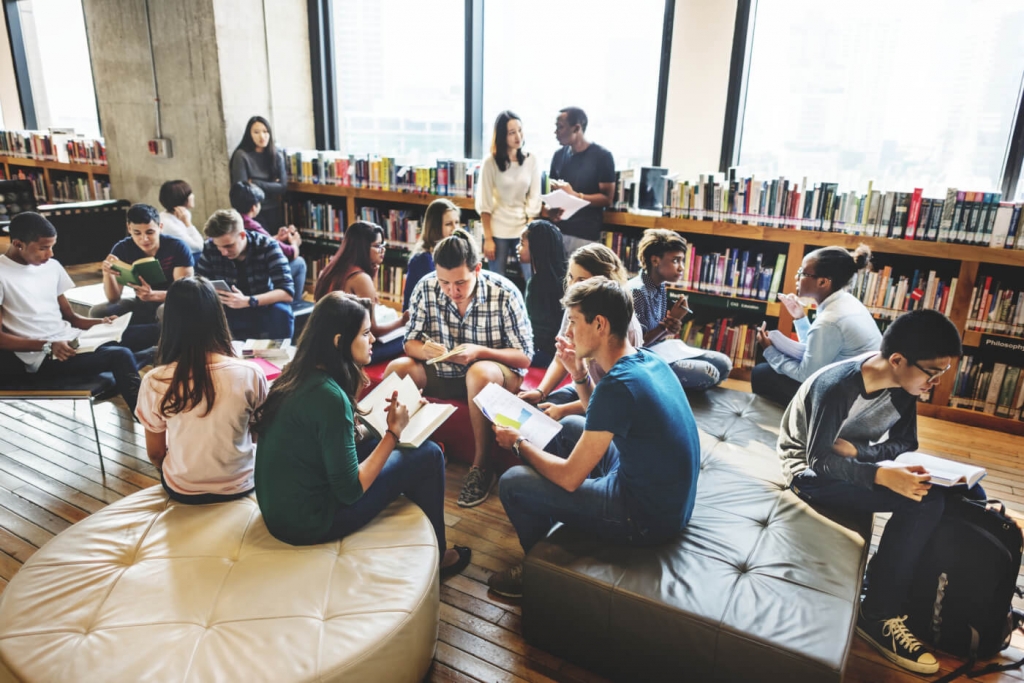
(49, 479)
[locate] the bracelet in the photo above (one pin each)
(397, 440)
(585, 380)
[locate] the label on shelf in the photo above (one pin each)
(1002, 350)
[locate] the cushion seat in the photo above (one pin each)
(95, 386)
(149, 589)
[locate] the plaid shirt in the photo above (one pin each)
(266, 268)
(496, 318)
(650, 302)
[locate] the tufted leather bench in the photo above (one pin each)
(147, 589)
(759, 587)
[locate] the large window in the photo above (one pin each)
(59, 68)
(909, 94)
(400, 77)
(541, 56)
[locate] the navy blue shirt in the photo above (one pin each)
(585, 172)
(641, 403)
(173, 253)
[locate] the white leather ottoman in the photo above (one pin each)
(151, 590)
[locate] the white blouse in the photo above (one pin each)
(512, 196)
(186, 233)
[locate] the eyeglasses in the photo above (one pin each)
(801, 273)
(933, 375)
(379, 246)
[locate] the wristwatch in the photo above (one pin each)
(515, 446)
(253, 303)
(47, 349)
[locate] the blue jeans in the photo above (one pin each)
(418, 474)
(503, 247)
(264, 322)
(707, 370)
(297, 266)
(388, 350)
(905, 536)
(534, 504)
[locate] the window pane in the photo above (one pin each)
(909, 94)
(541, 56)
(400, 78)
(59, 68)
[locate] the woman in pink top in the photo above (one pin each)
(197, 403)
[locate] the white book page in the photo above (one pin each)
(569, 204)
(504, 409)
(943, 472)
(427, 419)
(98, 335)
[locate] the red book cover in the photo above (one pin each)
(913, 213)
(269, 369)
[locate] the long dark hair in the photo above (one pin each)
(194, 327)
(547, 258)
(354, 251)
(336, 314)
(248, 145)
(433, 224)
(839, 265)
(499, 144)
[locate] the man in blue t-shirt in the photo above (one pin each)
(144, 240)
(628, 472)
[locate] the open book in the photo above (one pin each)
(507, 410)
(784, 344)
(147, 268)
(98, 335)
(446, 355)
(943, 472)
(268, 348)
(424, 417)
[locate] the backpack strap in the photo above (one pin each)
(965, 668)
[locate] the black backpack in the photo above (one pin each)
(966, 578)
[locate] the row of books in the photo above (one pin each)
(78, 189)
(391, 282)
(400, 226)
(887, 295)
(966, 217)
(34, 177)
(996, 389)
(51, 146)
(447, 178)
(316, 219)
(739, 342)
(996, 308)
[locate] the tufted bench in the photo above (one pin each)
(147, 589)
(758, 587)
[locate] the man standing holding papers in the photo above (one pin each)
(628, 471)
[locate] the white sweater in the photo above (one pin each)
(186, 233)
(512, 196)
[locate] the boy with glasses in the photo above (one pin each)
(831, 442)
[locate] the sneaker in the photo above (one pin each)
(477, 487)
(508, 583)
(894, 640)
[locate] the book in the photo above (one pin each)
(104, 333)
(507, 410)
(147, 268)
(446, 355)
(268, 348)
(424, 418)
(270, 371)
(943, 472)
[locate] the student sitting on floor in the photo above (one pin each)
(541, 247)
(254, 267)
(352, 270)
(481, 312)
(662, 255)
(38, 329)
(178, 200)
(830, 448)
(439, 221)
(197, 403)
(842, 329)
(247, 200)
(144, 239)
(319, 478)
(591, 260)
(626, 473)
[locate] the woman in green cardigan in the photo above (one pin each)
(318, 478)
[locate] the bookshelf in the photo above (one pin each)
(796, 243)
(52, 178)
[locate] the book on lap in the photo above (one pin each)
(943, 472)
(148, 269)
(104, 333)
(424, 418)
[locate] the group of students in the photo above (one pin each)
(624, 465)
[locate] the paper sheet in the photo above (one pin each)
(569, 204)
(506, 410)
(672, 350)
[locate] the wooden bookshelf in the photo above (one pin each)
(11, 165)
(797, 241)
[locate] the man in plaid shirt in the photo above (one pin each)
(481, 314)
(259, 303)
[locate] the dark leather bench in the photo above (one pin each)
(759, 587)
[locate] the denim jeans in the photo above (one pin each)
(298, 269)
(265, 322)
(416, 473)
(534, 504)
(702, 372)
(503, 247)
(765, 382)
(905, 536)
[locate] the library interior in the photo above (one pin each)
(362, 340)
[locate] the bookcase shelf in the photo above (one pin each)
(798, 242)
(973, 337)
(90, 171)
(733, 304)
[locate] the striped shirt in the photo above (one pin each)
(265, 267)
(650, 302)
(496, 318)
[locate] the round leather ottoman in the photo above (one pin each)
(151, 590)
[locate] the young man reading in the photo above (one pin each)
(663, 255)
(484, 314)
(247, 200)
(253, 265)
(627, 472)
(38, 329)
(830, 448)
